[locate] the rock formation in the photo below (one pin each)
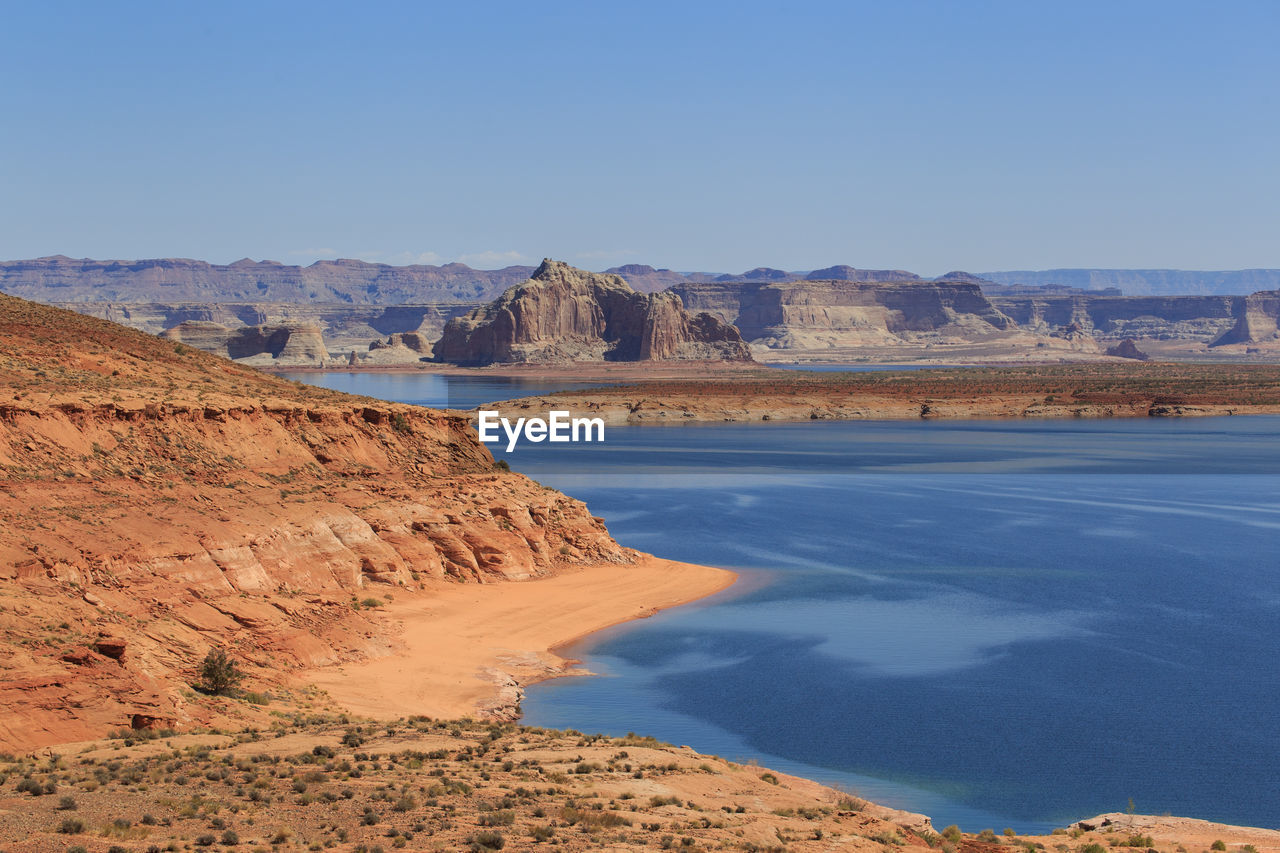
(158, 501)
(563, 314)
(816, 315)
(345, 328)
(1114, 318)
(1256, 319)
(1128, 348)
(299, 344)
(844, 272)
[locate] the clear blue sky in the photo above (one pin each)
(927, 136)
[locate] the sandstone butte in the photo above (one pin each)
(159, 501)
(563, 314)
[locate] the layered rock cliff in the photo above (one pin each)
(159, 501)
(814, 315)
(1112, 317)
(300, 344)
(1256, 318)
(563, 314)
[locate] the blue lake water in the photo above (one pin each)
(433, 389)
(994, 623)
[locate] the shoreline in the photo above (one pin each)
(469, 650)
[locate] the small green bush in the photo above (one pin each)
(218, 674)
(1219, 845)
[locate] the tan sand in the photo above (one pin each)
(470, 648)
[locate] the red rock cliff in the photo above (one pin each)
(159, 501)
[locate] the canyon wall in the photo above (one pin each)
(818, 314)
(1198, 318)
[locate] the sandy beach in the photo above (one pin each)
(469, 649)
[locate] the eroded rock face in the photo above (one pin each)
(1114, 317)
(820, 314)
(293, 344)
(1257, 318)
(563, 314)
(159, 501)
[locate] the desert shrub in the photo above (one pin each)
(218, 674)
(989, 836)
(405, 804)
(952, 833)
(1093, 848)
(400, 423)
(67, 804)
(205, 840)
(230, 838)
(504, 817)
(487, 840)
(1219, 845)
(770, 778)
(71, 826)
(541, 833)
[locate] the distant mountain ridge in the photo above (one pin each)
(1153, 282)
(64, 280)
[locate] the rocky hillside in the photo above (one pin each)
(159, 501)
(63, 279)
(563, 314)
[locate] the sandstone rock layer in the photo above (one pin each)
(159, 501)
(565, 314)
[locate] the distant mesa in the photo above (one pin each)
(960, 275)
(844, 272)
(761, 274)
(1141, 282)
(67, 280)
(563, 314)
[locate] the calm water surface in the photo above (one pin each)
(995, 623)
